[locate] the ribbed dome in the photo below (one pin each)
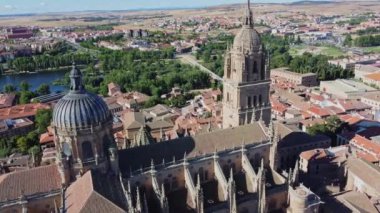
(80, 109)
(247, 39)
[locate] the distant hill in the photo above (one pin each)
(311, 2)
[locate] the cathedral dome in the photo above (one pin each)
(80, 109)
(247, 39)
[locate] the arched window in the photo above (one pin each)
(87, 151)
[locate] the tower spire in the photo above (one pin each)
(248, 19)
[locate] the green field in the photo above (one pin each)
(372, 49)
(323, 50)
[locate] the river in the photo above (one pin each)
(35, 80)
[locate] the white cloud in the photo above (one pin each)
(42, 4)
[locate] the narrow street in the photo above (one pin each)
(190, 59)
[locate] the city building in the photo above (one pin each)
(131, 100)
(362, 70)
(345, 89)
(304, 79)
(328, 161)
(361, 182)
(15, 127)
(18, 33)
(350, 63)
(372, 79)
(113, 89)
(373, 100)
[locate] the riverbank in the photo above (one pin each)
(36, 79)
(60, 69)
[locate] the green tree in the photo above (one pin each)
(24, 86)
(43, 119)
(25, 97)
(332, 126)
(43, 89)
(35, 151)
(154, 100)
(5, 147)
(23, 144)
(9, 88)
(348, 40)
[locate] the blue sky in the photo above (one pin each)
(41, 6)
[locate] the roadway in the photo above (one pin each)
(190, 59)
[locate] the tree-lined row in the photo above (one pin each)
(23, 94)
(45, 62)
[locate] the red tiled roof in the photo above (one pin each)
(316, 97)
(82, 196)
(313, 154)
(365, 144)
(305, 115)
(29, 182)
(21, 111)
(367, 157)
(334, 110)
(318, 111)
(352, 105)
(278, 106)
(350, 119)
(46, 138)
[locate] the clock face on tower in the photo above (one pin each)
(66, 149)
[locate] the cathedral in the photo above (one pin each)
(246, 80)
(229, 170)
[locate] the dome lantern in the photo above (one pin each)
(76, 80)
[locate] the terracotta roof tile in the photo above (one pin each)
(367, 157)
(365, 144)
(21, 111)
(29, 182)
(315, 110)
(93, 193)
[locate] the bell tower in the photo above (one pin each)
(246, 78)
